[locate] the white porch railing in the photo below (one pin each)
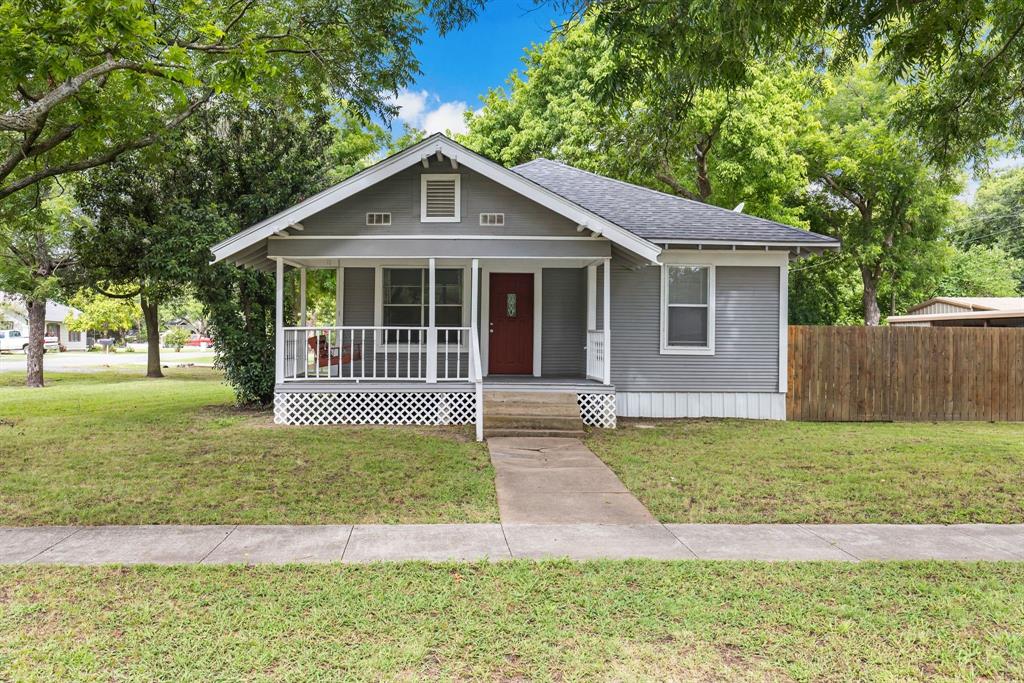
(362, 354)
(595, 355)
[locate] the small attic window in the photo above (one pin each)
(378, 218)
(440, 198)
(492, 219)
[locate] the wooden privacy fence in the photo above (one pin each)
(848, 374)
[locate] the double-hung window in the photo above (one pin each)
(405, 300)
(688, 309)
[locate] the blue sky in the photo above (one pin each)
(462, 66)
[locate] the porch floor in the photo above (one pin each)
(491, 383)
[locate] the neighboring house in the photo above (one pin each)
(963, 311)
(458, 277)
(14, 317)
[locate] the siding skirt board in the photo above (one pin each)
(750, 405)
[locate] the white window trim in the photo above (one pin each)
(457, 218)
(378, 213)
(708, 350)
(492, 213)
(378, 300)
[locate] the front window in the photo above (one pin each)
(52, 329)
(687, 309)
(405, 300)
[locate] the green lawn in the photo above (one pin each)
(516, 621)
(748, 471)
(114, 448)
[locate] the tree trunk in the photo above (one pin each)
(151, 314)
(36, 332)
(872, 314)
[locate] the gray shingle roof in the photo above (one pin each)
(658, 216)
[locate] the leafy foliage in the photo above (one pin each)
(231, 167)
(85, 81)
(722, 146)
(875, 188)
(981, 270)
(964, 60)
(176, 338)
(104, 314)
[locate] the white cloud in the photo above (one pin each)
(423, 110)
(411, 105)
(447, 117)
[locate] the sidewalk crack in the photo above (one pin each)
(834, 545)
(351, 530)
(679, 540)
(52, 545)
(504, 536)
(226, 536)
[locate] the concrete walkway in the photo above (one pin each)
(543, 480)
(467, 542)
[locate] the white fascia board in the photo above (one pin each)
(436, 143)
(818, 244)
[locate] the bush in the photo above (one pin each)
(176, 338)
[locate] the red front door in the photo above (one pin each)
(511, 326)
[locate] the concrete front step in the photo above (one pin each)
(531, 397)
(554, 433)
(548, 409)
(531, 421)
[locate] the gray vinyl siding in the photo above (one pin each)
(746, 355)
(358, 296)
(400, 195)
(564, 321)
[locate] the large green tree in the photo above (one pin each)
(965, 59)
(85, 81)
(722, 146)
(981, 270)
(996, 216)
(874, 187)
(35, 254)
(156, 215)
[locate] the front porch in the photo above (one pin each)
(407, 342)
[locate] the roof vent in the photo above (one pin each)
(439, 198)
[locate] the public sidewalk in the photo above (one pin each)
(466, 542)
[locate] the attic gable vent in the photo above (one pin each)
(492, 219)
(440, 198)
(378, 218)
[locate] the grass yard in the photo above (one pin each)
(115, 448)
(516, 621)
(746, 471)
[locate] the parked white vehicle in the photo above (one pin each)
(14, 340)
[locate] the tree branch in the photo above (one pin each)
(24, 119)
(665, 175)
(110, 154)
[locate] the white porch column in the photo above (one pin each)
(474, 312)
(607, 373)
(339, 297)
(279, 322)
(592, 296)
(302, 297)
(431, 325)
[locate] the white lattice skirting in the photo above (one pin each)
(379, 408)
(408, 408)
(597, 410)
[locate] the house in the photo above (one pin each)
(962, 311)
(14, 317)
(460, 280)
